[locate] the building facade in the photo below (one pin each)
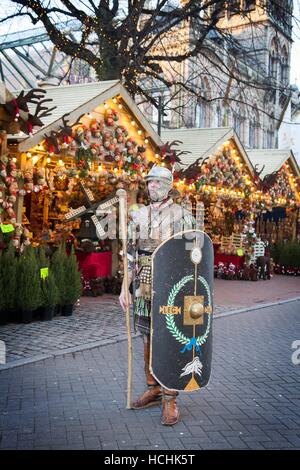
(241, 76)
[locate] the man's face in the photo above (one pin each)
(155, 190)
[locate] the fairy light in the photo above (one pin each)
(14, 160)
(120, 106)
(48, 160)
(28, 154)
(146, 141)
(115, 100)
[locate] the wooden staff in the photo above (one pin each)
(121, 193)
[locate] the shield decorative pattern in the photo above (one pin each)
(182, 311)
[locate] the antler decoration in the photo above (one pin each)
(256, 172)
(15, 115)
(66, 130)
(33, 96)
(171, 155)
(269, 180)
(62, 136)
(52, 143)
(193, 170)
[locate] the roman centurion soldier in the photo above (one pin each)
(149, 227)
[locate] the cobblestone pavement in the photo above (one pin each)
(77, 401)
(95, 321)
(100, 320)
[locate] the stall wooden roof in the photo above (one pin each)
(202, 142)
(83, 98)
(273, 159)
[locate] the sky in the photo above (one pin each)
(21, 24)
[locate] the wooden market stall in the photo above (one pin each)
(278, 174)
(95, 141)
(222, 174)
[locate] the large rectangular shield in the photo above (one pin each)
(182, 310)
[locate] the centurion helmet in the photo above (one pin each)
(160, 173)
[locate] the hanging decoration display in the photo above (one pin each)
(9, 188)
(281, 188)
(103, 141)
(223, 174)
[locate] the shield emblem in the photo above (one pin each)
(182, 308)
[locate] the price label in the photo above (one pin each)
(44, 273)
(7, 228)
(240, 252)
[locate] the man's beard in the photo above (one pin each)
(158, 195)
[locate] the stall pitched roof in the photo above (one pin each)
(202, 142)
(83, 98)
(273, 159)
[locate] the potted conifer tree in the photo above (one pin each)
(72, 283)
(29, 286)
(3, 311)
(57, 264)
(49, 293)
(9, 283)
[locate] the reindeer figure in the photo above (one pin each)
(193, 170)
(52, 142)
(33, 96)
(64, 135)
(66, 130)
(171, 155)
(15, 111)
(269, 181)
(258, 173)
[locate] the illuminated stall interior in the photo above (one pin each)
(96, 136)
(219, 172)
(279, 178)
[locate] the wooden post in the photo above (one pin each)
(20, 198)
(3, 142)
(121, 193)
